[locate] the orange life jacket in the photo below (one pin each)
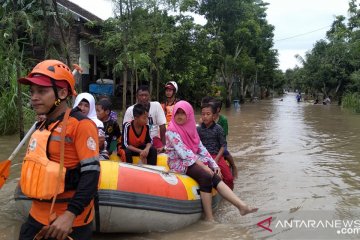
(168, 109)
(39, 175)
(32, 172)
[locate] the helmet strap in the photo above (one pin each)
(57, 99)
(55, 89)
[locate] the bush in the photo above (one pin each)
(9, 115)
(351, 101)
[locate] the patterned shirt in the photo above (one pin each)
(112, 132)
(180, 156)
(113, 116)
(212, 137)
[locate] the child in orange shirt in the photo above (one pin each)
(135, 140)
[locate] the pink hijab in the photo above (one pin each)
(187, 132)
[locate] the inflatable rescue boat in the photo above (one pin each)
(141, 198)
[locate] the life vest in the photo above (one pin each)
(33, 176)
(168, 109)
(39, 175)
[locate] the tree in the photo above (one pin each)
(24, 40)
(242, 41)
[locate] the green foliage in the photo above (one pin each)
(9, 117)
(332, 66)
(242, 43)
(8, 97)
(144, 43)
(351, 101)
(24, 40)
(354, 85)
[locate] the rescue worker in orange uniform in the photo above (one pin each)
(51, 83)
(171, 88)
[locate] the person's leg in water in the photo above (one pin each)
(206, 183)
(204, 179)
(230, 196)
(206, 200)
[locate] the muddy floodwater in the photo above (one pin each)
(298, 162)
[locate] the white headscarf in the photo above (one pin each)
(92, 110)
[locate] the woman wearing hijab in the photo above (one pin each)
(187, 155)
(86, 104)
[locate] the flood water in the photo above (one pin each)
(296, 161)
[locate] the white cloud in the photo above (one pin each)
(288, 60)
(301, 17)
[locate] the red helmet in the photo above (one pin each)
(54, 69)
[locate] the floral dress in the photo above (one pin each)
(180, 157)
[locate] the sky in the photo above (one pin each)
(298, 23)
(308, 18)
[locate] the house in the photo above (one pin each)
(82, 51)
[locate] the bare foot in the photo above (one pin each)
(248, 210)
(209, 219)
(210, 222)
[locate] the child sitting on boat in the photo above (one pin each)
(135, 140)
(111, 127)
(223, 122)
(212, 136)
(113, 115)
(186, 154)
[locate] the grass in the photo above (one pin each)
(351, 101)
(9, 115)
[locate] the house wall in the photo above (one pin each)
(87, 63)
(79, 50)
(71, 38)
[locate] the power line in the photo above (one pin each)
(302, 34)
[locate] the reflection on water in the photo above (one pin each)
(294, 158)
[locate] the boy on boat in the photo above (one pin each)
(223, 122)
(111, 127)
(113, 115)
(212, 136)
(66, 138)
(135, 140)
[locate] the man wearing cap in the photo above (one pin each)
(51, 83)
